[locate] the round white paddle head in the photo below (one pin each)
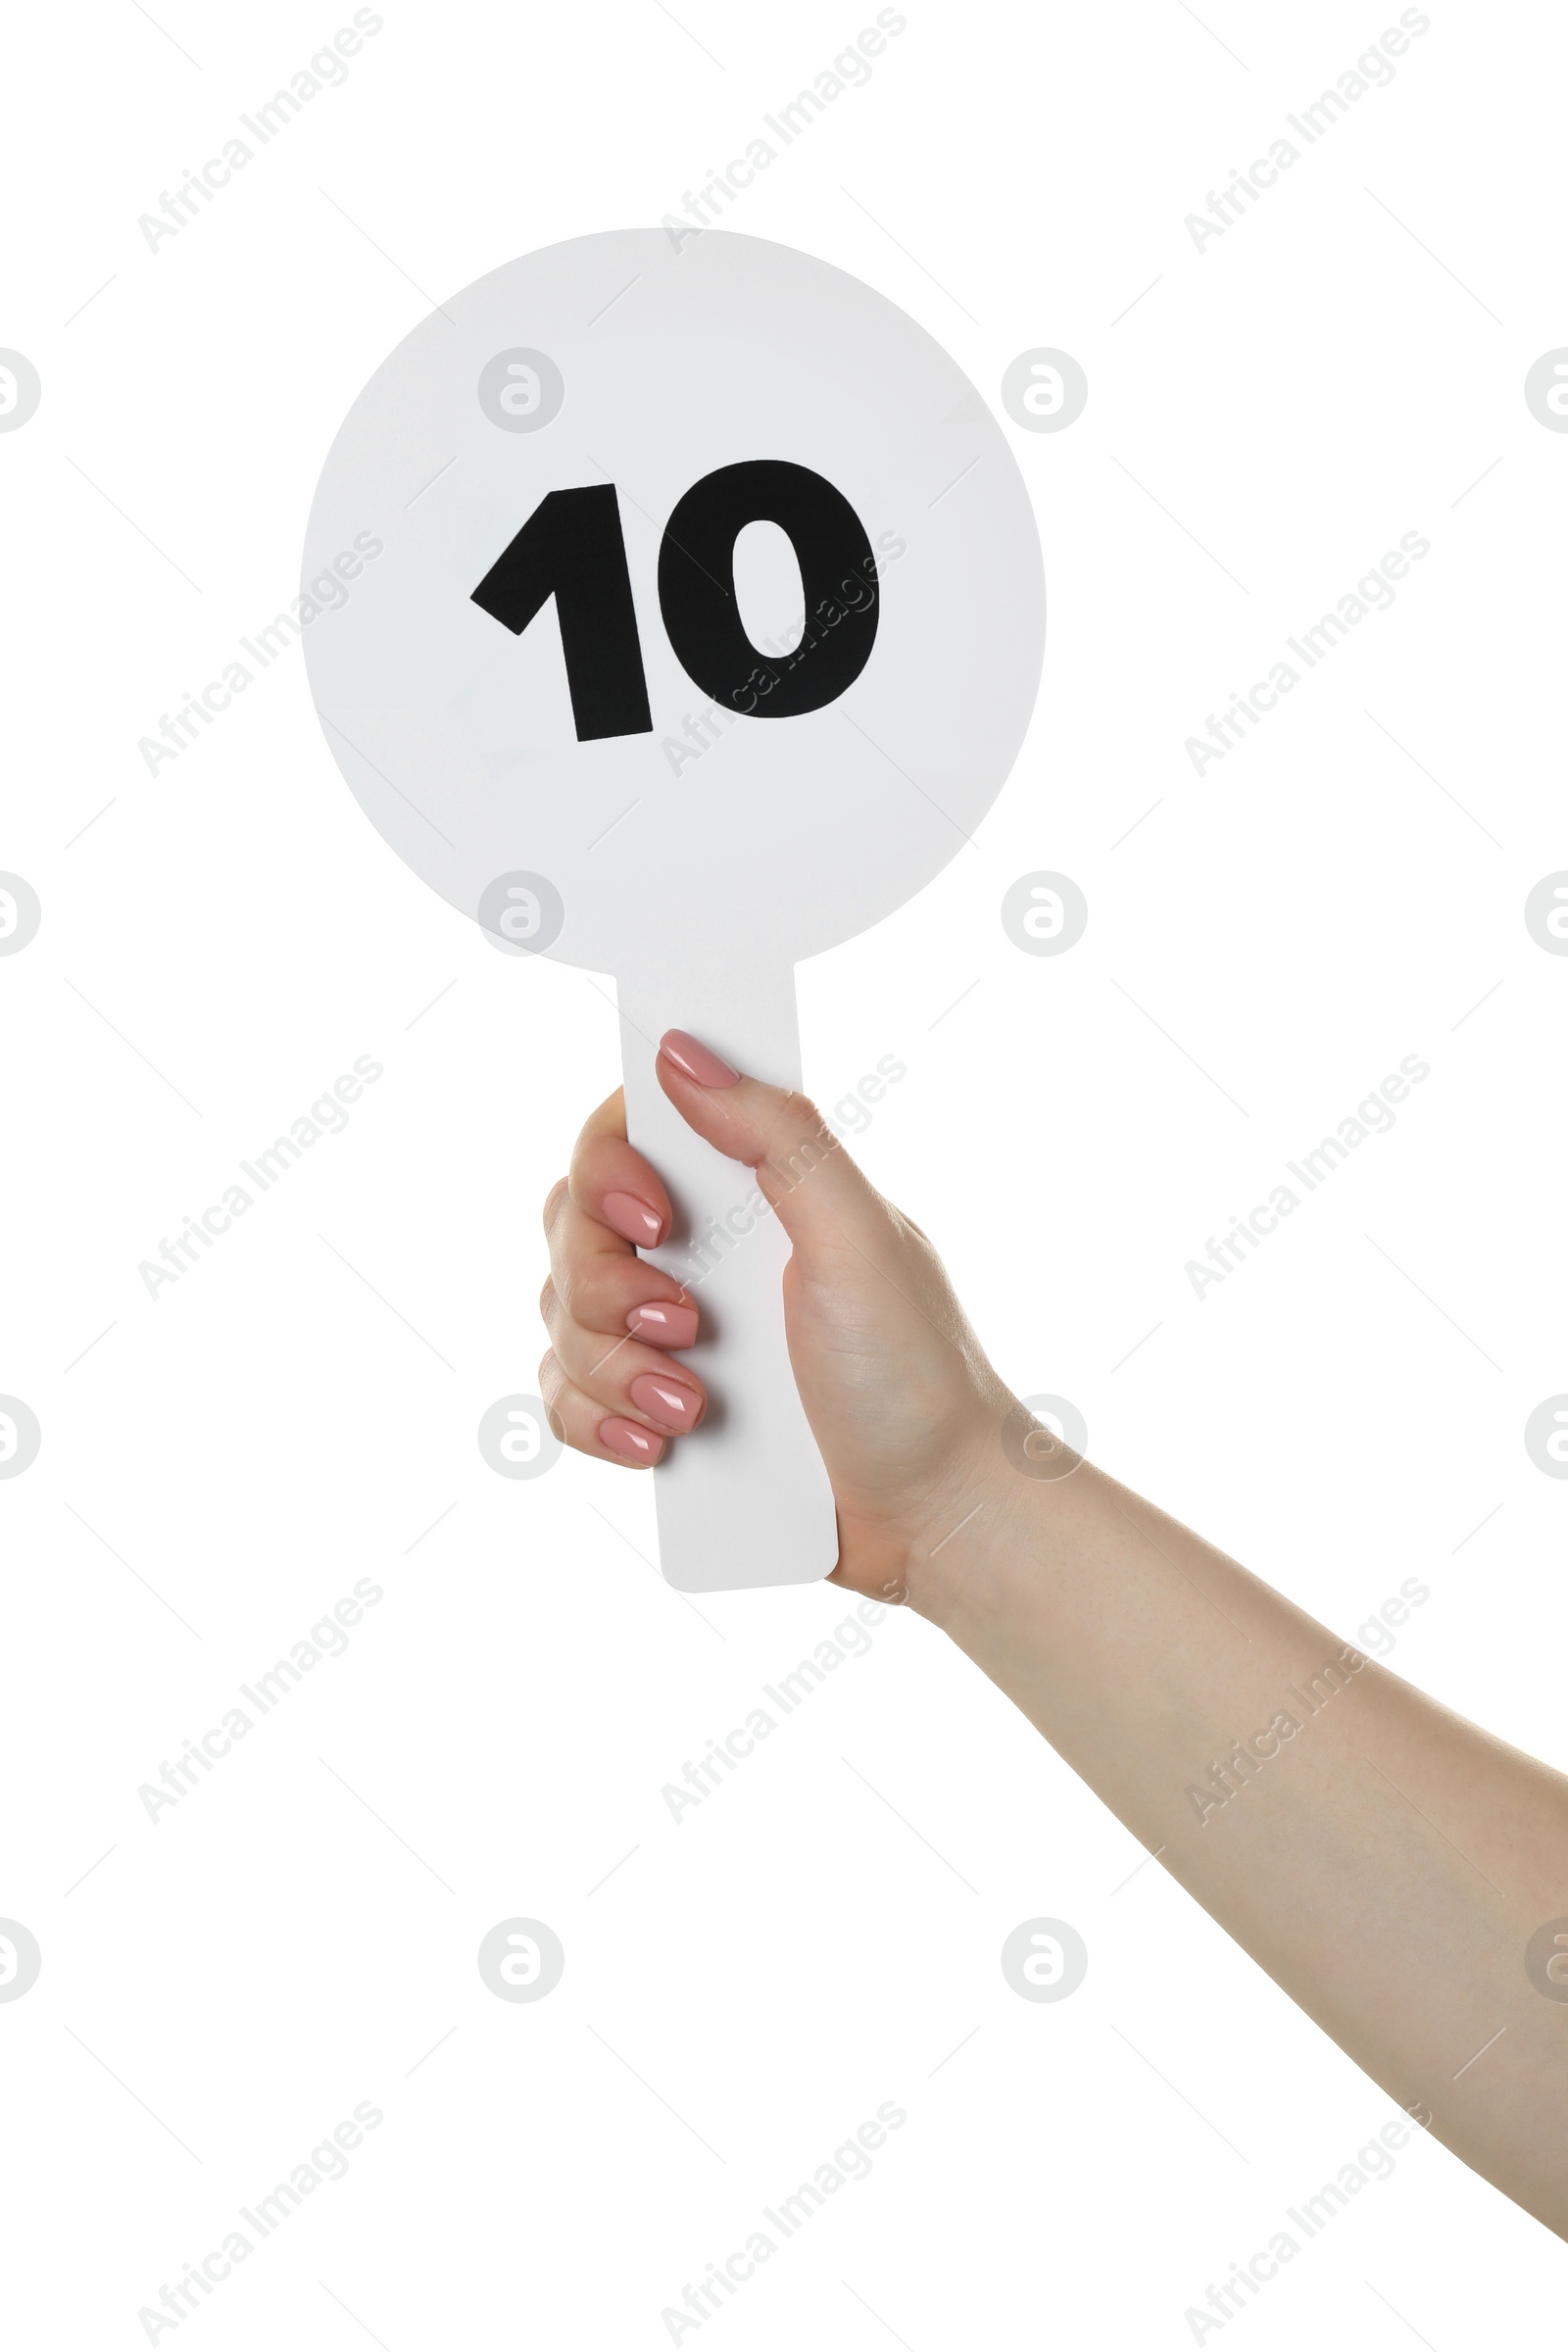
(737, 437)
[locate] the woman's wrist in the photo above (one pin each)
(984, 1532)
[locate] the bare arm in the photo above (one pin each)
(1387, 1862)
(1398, 1872)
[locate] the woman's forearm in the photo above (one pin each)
(1386, 1862)
(1401, 1873)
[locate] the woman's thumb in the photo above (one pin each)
(803, 1170)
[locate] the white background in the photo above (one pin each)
(1341, 368)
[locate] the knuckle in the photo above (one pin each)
(570, 1293)
(808, 1123)
(803, 1141)
(554, 1199)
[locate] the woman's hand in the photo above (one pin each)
(903, 1404)
(1397, 1871)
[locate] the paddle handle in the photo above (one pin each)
(744, 1501)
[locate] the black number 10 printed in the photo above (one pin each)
(573, 548)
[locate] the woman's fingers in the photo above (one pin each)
(611, 1203)
(583, 1424)
(605, 1287)
(622, 1374)
(612, 1183)
(611, 1315)
(803, 1170)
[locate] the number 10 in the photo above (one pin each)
(573, 548)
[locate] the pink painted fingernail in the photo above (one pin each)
(632, 1218)
(630, 1439)
(696, 1061)
(666, 1400)
(664, 1325)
